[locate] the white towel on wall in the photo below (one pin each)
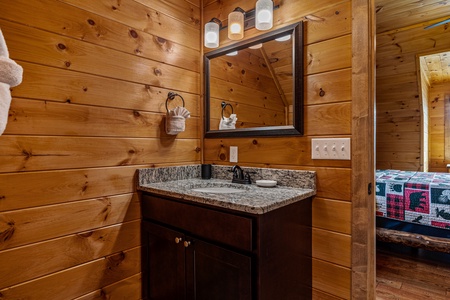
(176, 119)
(10, 76)
(228, 123)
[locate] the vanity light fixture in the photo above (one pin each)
(239, 20)
(236, 24)
(264, 14)
(212, 33)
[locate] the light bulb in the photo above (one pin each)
(235, 28)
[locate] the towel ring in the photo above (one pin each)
(171, 96)
(224, 104)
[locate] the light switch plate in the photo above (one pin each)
(234, 154)
(330, 148)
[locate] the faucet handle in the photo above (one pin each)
(247, 177)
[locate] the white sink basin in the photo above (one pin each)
(218, 190)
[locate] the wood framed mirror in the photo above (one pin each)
(261, 86)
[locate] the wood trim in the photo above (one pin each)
(363, 210)
(413, 240)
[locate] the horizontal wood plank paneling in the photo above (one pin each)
(320, 295)
(332, 215)
(328, 55)
(331, 246)
(184, 11)
(77, 23)
(334, 119)
(331, 278)
(279, 151)
(148, 18)
(332, 183)
(83, 279)
(38, 117)
(335, 85)
(36, 260)
(29, 153)
(42, 47)
(329, 23)
(96, 79)
(129, 288)
(54, 84)
(21, 227)
(51, 187)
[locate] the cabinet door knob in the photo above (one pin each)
(186, 243)
(178, 240)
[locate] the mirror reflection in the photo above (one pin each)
(263, 71)
(250, 88)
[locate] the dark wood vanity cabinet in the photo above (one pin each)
(192, 251)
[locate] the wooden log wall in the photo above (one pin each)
(327, 65)
(398, 103)
(438, 95)
(89, 112)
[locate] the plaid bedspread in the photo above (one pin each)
(416, 197)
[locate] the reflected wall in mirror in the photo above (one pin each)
(259, 90)
(401, 127)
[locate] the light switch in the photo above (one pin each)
(330, 148)
(234, 154)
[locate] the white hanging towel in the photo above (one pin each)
(228, 123)
(10, 76)
(176, 120)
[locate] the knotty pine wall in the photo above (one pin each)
(328, 65)
(438, 94)
(88, 114)
(397, 93)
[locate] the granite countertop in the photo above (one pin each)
(178, 182)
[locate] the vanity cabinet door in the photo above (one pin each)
(217, 273)
(181, 267)
(164, 263)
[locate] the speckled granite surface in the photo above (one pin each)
(179, 181)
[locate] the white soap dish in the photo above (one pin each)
(266, 183)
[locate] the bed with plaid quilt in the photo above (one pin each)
(414, 197)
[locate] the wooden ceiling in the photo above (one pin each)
(396, 15)
(436, 67)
